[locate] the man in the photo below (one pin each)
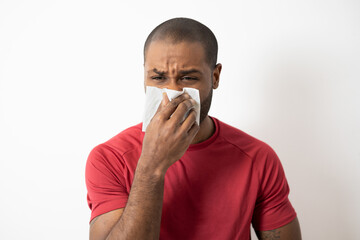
(181, 180)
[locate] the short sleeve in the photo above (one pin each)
(273, 208)
(105, 182)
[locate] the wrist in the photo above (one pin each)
(146, 167)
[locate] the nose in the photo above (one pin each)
(173, 85)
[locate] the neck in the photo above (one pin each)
(207, 129)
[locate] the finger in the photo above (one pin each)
(171, 106)
(189, 121)
(193, 130)
(165, 99)
(182, 109)
(163, 103)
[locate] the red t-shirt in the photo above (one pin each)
(215, 191)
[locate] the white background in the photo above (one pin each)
(71, 77)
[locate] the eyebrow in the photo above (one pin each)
(193, 70)
(182, 72)
(161, 73)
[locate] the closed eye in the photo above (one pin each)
(158, 78)
(188, 78)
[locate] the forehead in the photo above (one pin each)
(163, 54)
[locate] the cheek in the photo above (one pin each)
(149, 83)
(204, 93)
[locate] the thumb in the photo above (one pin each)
(165, 99)
(163, 103)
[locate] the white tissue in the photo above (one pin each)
(154, 96)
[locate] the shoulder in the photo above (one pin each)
(250, 145)
(127, 139)
(118, 145)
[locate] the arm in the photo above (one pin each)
(290, 231)
(166, 140)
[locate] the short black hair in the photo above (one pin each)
(186, 30)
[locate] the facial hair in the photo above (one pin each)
(205, 106)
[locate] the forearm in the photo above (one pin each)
(167, 138)
(142, 215)
(290, 231)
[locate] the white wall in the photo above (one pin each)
(71, 77)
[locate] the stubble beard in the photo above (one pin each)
(205, 106)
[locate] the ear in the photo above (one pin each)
(216, 75)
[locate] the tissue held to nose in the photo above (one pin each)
(154, 97)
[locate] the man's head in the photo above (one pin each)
(180, 53)
(178, 30)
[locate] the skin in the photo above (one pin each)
(173, 66)
(290, 231)
(169, 65)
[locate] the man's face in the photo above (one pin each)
(175, 66)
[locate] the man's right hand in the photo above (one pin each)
(168, 135)
(166, 140)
